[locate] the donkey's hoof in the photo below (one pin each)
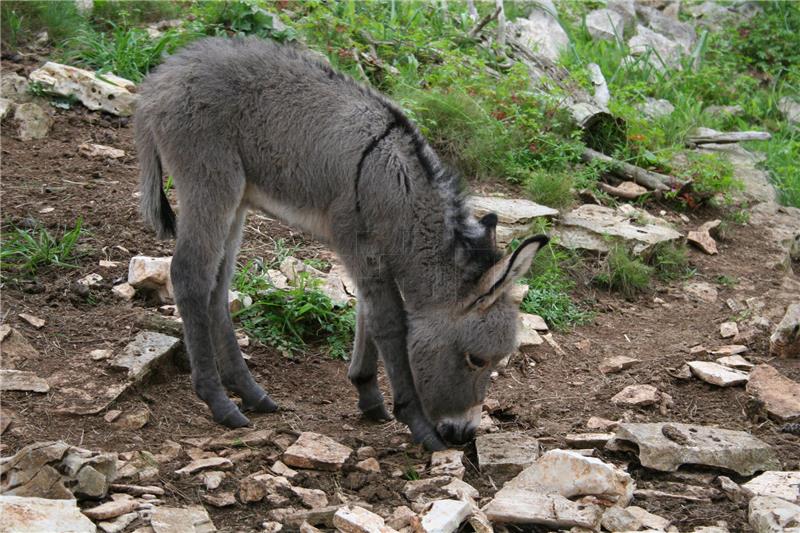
(377, 413)
(233, 419)
(433, 443)
(263, 405)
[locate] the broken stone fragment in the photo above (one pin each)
(281, 469)
(785, 340)
(204, 464)
(588, 440)
(648, 519)
(596, 227)
(221, 499)
(728, 330)
(730, 349)
(138, 490)
(527, 336)
(637, 396)
(509, 211)
(133, 420)
(717, 374)
(369, 465)
(518, 292)
(33, 122)
(617, 363)
(519, 506)
(504, 455)
(142, 466)
(781, 395)
(90, 280)
(142, 354)
(434, 488)
(152, 274)
(702, 237)
(445, 516)
(401, 517)
(311, 498)
(312, 450)
(331, 284)
(6, 106)
(100, 151)
(193, 519)
(293, 518)
(100, 355)
(733, 491)
(34, 515)
(701, 291)
(22, 380)
(667, 446)
(448, 463)
(618, 519)
(541, 32)
(15, 347)
(118, 524)
(767, 514)
(355, 519)
(240, 438)
(124, 291)
(736, 361)
(34, 321)
(105, 92)
(605, 24)
(112, 509)
(256, 487)
(785, 485)
(602, 424)
(655, 108)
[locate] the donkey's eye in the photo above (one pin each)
(475, 363)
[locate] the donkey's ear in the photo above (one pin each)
(505, 272)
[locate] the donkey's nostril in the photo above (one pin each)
(456, 433)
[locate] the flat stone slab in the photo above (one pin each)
(637, 396)
(36, 515)
(15, 347)
(144, 352)
(445, 516)
(618, 363)
(781, 395)
(667, 446)
(572, 475)
(504, 455)
(527, 335)
(193, 519)
(509, 210)
(784, 485)
(448, 463)
(593, 227)
(520, 506)
(768, 514)
(21, 380)
(736, 361)
(312, 450)
(355, 519)
(717, 374)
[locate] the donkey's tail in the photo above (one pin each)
(154, 204)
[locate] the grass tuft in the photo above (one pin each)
(624, 273)
(28, 250)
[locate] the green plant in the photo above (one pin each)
(670, 261)
(624, 273)
(318, 263)
(290, 319)
(22, 21)
(126, 51)
(241, 17)
(411, 474)
(28, 250)
(726, 281)
(549, 288)
(168, 184)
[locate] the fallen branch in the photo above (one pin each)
(646, 178)
(473, 33)
(729, 137)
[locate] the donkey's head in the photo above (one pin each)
(453, 350)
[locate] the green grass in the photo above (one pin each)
(23, 20)
(292, 319)
(670, 261)
(624, 273)
(549, 289)
(25, 251)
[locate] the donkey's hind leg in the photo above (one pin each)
(203, 226)
(363, 372)
(236, 377)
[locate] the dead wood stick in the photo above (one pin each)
(652, 180)
(483, 22)
(730, 137)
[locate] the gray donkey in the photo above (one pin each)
(246, 124)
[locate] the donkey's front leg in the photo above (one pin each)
(386, 324)
(363, 372)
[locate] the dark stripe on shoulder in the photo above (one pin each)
(370, 147)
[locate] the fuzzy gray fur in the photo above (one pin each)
(246, 124)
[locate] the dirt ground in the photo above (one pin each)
(547, 394)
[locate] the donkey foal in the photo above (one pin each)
(246, 124)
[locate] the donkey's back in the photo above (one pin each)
(279, 117)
